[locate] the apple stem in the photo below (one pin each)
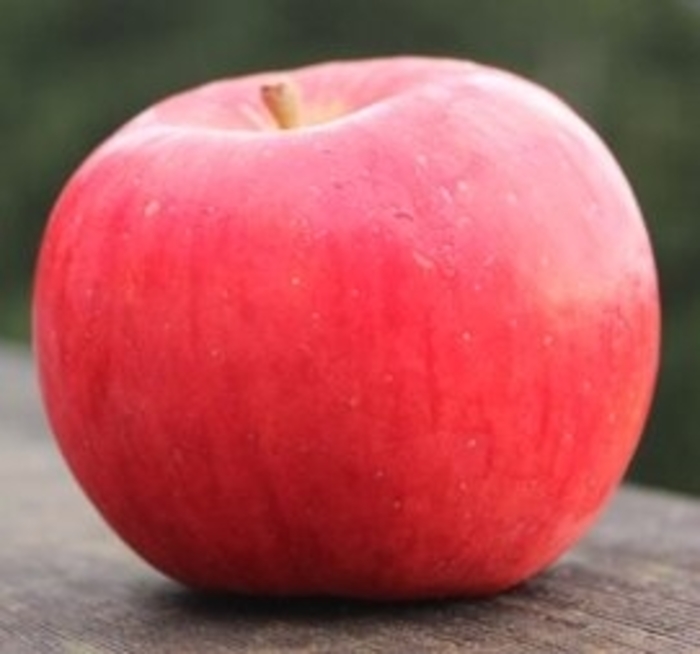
(282, 101)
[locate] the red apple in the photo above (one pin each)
(384, 328)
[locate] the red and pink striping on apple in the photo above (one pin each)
(396, 337)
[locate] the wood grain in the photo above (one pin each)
(68, 586)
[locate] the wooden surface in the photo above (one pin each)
(68, 586)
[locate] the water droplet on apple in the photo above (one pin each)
(397, 505)
(446, 195)
(547, 340)
(466, 336)
(151, 209)
(422, 261)
(447, 259)
(462, 185)
(463, 220)
(380, 473)
(404, 216)
(295, 281)
(444, 564)
(595, 209)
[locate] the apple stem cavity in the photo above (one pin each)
(282, 101)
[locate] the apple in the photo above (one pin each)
(385, 328)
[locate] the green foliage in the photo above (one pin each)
(72, 71)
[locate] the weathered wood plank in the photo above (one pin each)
(67, 585)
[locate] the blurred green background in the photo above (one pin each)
(72, 71)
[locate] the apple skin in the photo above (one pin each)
(405, 350)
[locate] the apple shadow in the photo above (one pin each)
(323, 618)
(219, 606)
(326, 624)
